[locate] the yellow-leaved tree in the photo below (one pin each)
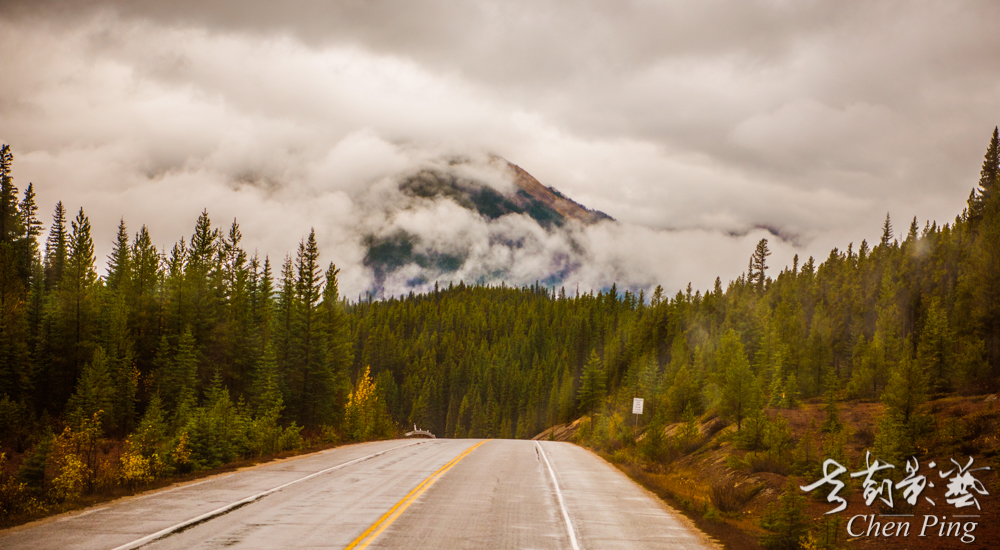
(366, 415)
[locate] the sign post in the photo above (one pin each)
(636, 410)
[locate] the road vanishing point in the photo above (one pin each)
(429, 493)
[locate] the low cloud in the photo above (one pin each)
(700, 128)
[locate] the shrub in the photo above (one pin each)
(328, 434)
(266, 436)
(32, 470)
(135, 470)
(728, 497)
(654, 446)
(767, 463)
(787, 522)
(688, 434)
(75, 455)
(715, 426)
(865, 435)
(68, 483)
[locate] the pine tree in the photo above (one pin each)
(338, 347)
(913, 233)
(657, 297)
(285, 310)
(907, 388)
(145, 299)
(592, 386)
(565, 404)
(787, 522)
(683, 394)
(11, 228)
(265, 393)
(887, 235)
(262, 300)
(832, 422)
(76, 310)
(95, 392)
(758, 265)
(152, 431)
(935, 350)
(201, 271)
(177, 374)
(31, 229)
(56, 248)
(239, 354)
(117, 340)
(14, 280)
(988, 177)
(119, 263)
(738, 380)
(311, 378)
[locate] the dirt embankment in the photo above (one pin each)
(959, 428)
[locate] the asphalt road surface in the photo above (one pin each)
(437, 494)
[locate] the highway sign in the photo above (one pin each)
(637, 405)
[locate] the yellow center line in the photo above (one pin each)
(386, 520)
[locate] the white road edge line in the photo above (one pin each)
(219, 511)
(562, 504)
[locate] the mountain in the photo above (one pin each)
(546, 205)
(519, 213)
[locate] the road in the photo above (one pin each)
(437, 494)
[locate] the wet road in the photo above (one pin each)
(388, 494)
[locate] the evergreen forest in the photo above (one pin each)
(188, 358)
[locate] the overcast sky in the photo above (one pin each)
(695, 124)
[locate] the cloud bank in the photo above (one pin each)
(701, 127)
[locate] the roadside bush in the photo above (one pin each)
(75, 455)
(213, 431)
(32, 470)
(751, 436)
(68, 483)
(787, 522)
(653, 446)
(135, 470)
(729, 498)
(266, 436)
(221, 431)
(688, 434)
(13, 495)
(328, 434)
(767, 463)
(735, 462)
(620, 434)
(778, 437)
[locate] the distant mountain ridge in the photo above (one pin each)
(552, 198)
(544, 204)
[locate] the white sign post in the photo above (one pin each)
(636, 410)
